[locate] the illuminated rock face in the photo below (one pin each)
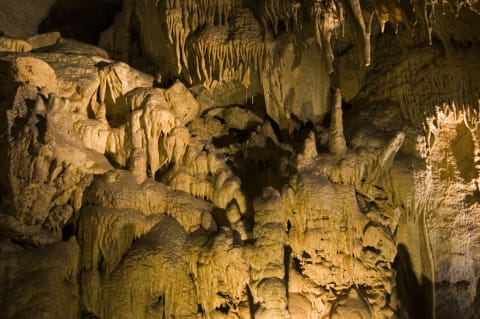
(274, 159)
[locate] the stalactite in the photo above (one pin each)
(198, 239)
(186, 17)
(274, 12)
(327, 18)
(217, 54)
(356, 11)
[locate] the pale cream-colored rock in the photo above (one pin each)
(94, 133)
(105, 235)
(290, 87)
(222, 276)
(223, 94)
(35, 72)
(183, 104)
(44, 40)
(137, 164)
(77, 76)
(150, 198)
(9, 44)
(153, 278)
(351, 306)
(338, 145)
(268, 287)
(241, 119)
(47, 183)
(261, 192)
(71, 46)
(351, 251)
(310, 147)
(116, 79)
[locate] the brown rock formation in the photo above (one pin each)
(241, 159)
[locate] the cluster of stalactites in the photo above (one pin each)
(274, 12)
(185, 17)
(451, 113)
(200, 12)
(228, 60)
(412, 12)
(392, 11)
(230, 37)
(328, 17)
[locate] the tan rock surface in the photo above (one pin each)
(269, 159)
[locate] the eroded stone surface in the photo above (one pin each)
(308, 161)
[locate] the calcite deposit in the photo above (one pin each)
(238, 159)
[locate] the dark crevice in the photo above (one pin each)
(252, 306)
(83, 21)
(287, 254)
(415, 297)
(223, 308)
(68, 231)
(373, 250)
(22, 244)
(297, 265)
(89, 315)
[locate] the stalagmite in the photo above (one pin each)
(310, 147)
(221, 273)
(268, 285)
(237, 159)
(138, 165)
(337, 143)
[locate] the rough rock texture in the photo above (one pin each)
(240, 159)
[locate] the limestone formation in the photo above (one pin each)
(237, 159)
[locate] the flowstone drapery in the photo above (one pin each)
(244, 159)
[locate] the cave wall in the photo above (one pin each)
(239, 159)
